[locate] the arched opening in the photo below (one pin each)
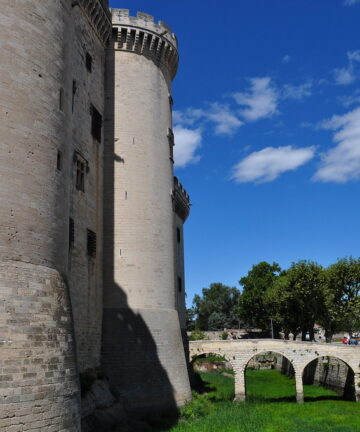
(328, 378)
(213, 373)
(270, 377)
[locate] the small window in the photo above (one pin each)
(91, 243)
(170, 136)
(96, 123)
(179, 284)
(61, 99)
(80, 174)
(71, 233)
(59, 161)
(74, 90)
(89, 61)
(178, 235)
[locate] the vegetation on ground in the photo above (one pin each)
(270, 408)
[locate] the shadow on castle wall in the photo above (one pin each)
(130, 359)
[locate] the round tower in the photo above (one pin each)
(142, 348)
(39, 383)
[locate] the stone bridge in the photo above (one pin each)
(299, 354)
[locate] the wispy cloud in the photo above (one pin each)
(187, 142)
(286, 59)
(299, 92)
(267, 164)
(347, 75)
(342, 163)
(224, 120)
(260, 101)
(350, 2)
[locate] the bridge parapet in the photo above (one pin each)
(299, 354)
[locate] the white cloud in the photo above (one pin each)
(299, 92)
(187, 142)
(224, 120)
(350, 2)
(344, 76)
(347, 75)
(342, 163)
(260, 101)
(286, 59)
(267, 164)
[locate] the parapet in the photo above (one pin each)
(181, 200)
(143, 36)
(98, 14)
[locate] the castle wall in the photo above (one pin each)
(85, 89)
(180, 273)
(142, 347)
(39, 385)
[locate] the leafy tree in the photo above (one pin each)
(190, 319)
(342, 289)
(254, 309)
(217, 307)
(299, 297)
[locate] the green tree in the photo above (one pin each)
(190, 319)
(299, 297)
(342, 289)
(254, 310)
(217, 304)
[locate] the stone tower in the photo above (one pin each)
(142, 345)
(51, 102)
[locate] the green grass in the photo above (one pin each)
(269, 408)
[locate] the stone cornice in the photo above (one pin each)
(141, 35)
(181, 200)
(98, 15)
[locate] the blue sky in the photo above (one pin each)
(267, 129)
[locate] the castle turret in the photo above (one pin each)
(51, 101)
(37, 356)
(142, 347)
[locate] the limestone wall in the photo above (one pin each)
(141, 324)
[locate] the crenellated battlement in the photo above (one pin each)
(181, 200)
(142, 35)
(99, 16)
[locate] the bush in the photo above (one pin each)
(198, 407)
(196, 335)
(224, 335)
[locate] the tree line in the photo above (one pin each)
(290, 300)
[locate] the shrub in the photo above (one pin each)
(196, 335)
(224, 335)
(199, 406)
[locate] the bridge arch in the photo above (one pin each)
(333, 372)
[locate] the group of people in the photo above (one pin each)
(349, 341)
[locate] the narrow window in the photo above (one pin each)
(80, 174)
(179, 284)
(91, 243)
(74, 89)
(96, 123)
(88, 62)
(71, 233)
(170, 136)
(59, 162)
(178, 235)
(61, 99)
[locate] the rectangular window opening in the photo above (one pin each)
(91, 243)
(96, 123)
(74, 89)
(71, 233)
(89, 61)
(80, 174)
(179, 284)
(178, 235)
(61, 99)
(59, 161)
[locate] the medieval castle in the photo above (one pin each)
(91, 216)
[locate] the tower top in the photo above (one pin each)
(142, 35)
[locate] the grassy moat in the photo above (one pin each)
(270, 407)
